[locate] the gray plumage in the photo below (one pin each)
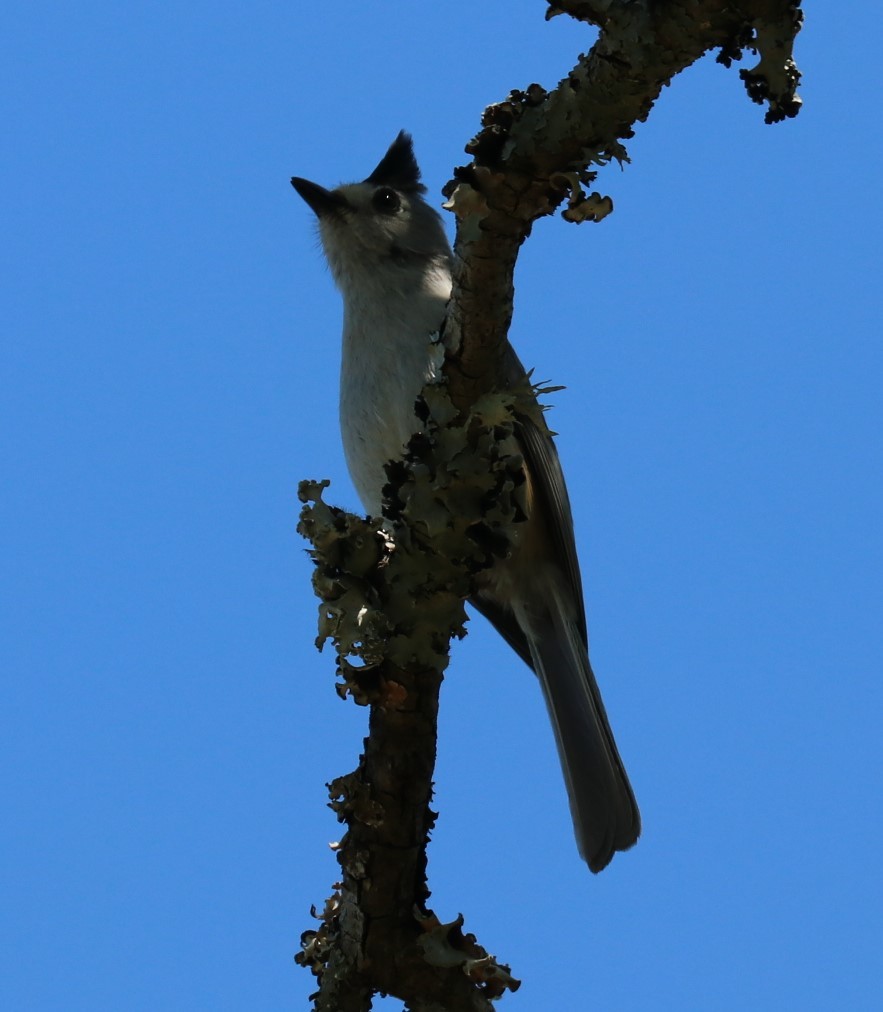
(391, 260)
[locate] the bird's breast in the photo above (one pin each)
(387, 360)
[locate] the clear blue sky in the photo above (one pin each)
(169, 366)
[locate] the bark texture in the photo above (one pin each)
(390, 604)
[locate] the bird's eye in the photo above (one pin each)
(386, 200)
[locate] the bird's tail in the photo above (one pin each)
(605, 814)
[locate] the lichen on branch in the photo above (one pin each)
(392, 590)
(392, 596)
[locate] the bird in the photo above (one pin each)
(390, 258)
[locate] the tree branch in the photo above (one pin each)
(537, 148)
(392, 603)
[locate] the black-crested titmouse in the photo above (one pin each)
(391, 260)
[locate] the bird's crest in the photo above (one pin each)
(398, 168)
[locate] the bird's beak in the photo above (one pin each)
(322, 201)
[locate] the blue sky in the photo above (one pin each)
(169, 368)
